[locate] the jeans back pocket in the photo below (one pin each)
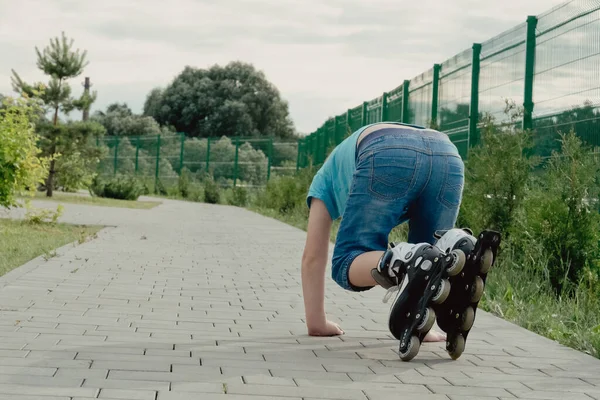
(452, 188)
(393, 172)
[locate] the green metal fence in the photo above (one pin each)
(161, 159)
(548, 64)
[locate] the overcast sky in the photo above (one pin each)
(324, 57)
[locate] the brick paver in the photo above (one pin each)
(192, 301)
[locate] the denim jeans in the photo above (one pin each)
(415, 177)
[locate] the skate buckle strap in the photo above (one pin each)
(389, 293)
(396, 288)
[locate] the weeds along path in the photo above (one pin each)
(189, 300)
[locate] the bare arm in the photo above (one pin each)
(314, 262)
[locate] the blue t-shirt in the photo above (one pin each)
(331, 183)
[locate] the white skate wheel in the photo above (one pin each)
(442, 293)
(427, 321)
(458, 346)
(458, 264)
(477, 289)
(486, 261)
(411, 350)
(468, 318)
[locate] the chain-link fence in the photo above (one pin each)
(160, 160)
(548, 65)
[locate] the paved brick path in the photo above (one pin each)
(190, 301)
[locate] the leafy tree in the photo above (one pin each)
(119, 120)
(153, 102)
(234, 100)
(21, 169)
(60, 63)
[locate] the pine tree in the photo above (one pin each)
(61, 63)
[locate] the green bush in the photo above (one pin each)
(196, 193)
(76, 172)
(184, 182)
(212, 193)
(160, 188)
(40, 216)
(496, 176)
(21, 170)
(239, 197)
(552, 211)
(287, 194)
(561, 213)
(119, 187)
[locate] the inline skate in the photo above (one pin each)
(456, 315)
(418, 273)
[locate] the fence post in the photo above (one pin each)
(137, 153)
(405, 108)
(529, 72)
(434, 95)
(473, 138)
(348, 121)
(335, 131)
(364, 113)
(384, 111)
(325, 140)
(207, 153)
(318, 140)
(157, 163)
(235, 166)
(270, 156)
(298, 154)
(181, 153)
(315, 144)
(116, 152)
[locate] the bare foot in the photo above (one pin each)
(434, 336)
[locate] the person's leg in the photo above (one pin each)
(438, 206)
(387, 179)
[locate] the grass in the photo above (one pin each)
(21, 241)
(96, 201)
(519, 295)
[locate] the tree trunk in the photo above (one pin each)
(50, 179)
(55, 120)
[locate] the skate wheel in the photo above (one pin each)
(456, 348)
(411, 350)
(477, 289)
(486, 261)
(427, 321)
(468, 318)
(458, 264)
(442, 293)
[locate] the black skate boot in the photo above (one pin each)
(457, 314)
(418, 273)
